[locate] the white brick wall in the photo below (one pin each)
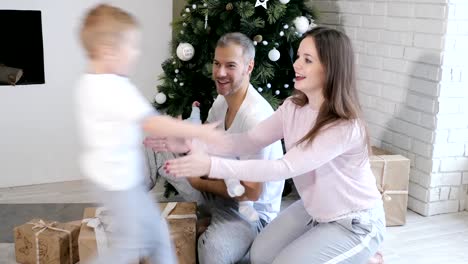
(413, 79)
(453, 99)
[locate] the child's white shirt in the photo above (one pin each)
(110, 111)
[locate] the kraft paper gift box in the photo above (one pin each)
(93, 236)
(40, 241)
(392, 177)
(182, 221)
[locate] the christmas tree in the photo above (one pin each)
(275, 26)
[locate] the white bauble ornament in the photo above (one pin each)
(284, 1)
(274, 55)
(185, 51)
(160, 98)
(301, 24)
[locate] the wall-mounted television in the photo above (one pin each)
(21, 44)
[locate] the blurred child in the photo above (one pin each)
(112, 115)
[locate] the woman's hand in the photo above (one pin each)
(196, 164)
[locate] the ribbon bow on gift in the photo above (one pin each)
(384, 188)
(384, 192)
(100, 224)
(42, 226)
(170, 207)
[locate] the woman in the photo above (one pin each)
(340, 217)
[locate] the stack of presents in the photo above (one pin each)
(40, 241)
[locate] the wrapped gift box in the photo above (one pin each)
(93, 236)
(182, 220)
(392, 177)
(41, 241)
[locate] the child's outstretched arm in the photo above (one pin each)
(165, 126)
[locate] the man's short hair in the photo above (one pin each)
(248, 48)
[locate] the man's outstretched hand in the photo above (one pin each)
(168, 144)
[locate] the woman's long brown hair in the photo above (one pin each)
(341, 100)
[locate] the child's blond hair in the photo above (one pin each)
(105, 25)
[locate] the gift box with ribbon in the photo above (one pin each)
(40, 241)
(182, 221)
(93, 236)
(392, 177)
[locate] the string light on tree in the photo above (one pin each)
(160, 98)
(286, 86)
(194, 6)
(281, 33)
(268, 85)
(185, 51)
(259, 89)
(277, 92)
(284, 1)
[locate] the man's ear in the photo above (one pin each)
(250, 66)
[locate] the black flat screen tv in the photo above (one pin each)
(21, 44)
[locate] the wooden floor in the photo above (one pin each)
(441, 239)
